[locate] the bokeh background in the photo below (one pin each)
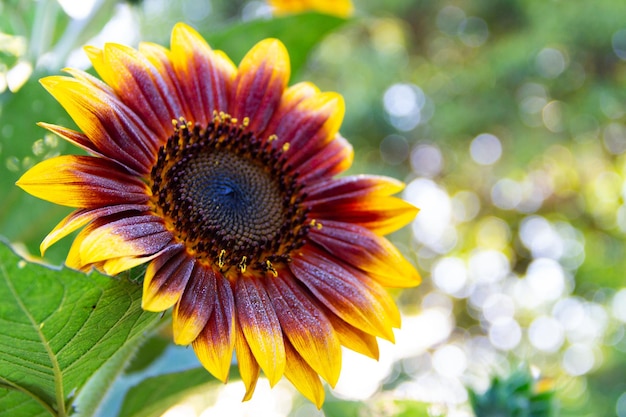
(507, 121)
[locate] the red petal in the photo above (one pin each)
(351, 295)
(308, 330)
(261, 327)
(205, 75)
(195, 306)
(330, 160)
(166, 278)
(215, 343)
(262, 77)
(365, 250)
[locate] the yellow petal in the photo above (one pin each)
(249, 368)
(82, 182)
(261, 327)
(303, 377)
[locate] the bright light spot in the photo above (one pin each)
(619, 44)
(592, 326)
(541, 238)
(552, 115)
(546, 334)
(473, 31)
(505, 333)
(433, 226)
(426, 160)
(486, 149)
(394, 149)
(77, 9)
(570, 312)
(256, 10)
(122, 28)
(403, 100)
(550, 62)
(404, 104)
(17, 76)
(619, 305)
(266, 401)
(546, 278)
(498, 306)
(606, 187)
(506, 194)
(450, 361)
(488, 266)
(182, 410)
(578, 359)
(450, 275)
(361, 376)
(614, 138)
(432, 387)
(465, 206)
(437, 301)
(422, 331)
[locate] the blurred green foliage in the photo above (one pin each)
(516, 396)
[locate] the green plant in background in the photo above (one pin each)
(517, 395)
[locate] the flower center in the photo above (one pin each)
(229, 197)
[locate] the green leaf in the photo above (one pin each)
(57, 329)
(300, 33)
(150, 351)
(155, 395)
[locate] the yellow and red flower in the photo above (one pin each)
(222, 179)
(341, 8)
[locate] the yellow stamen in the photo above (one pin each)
(242, 264)
(316, 224)
(271, 268)
(286, 147)
(220, 259)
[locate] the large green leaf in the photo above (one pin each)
(300, 33)
(57, 329)
(153, 396)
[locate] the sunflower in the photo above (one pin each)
(341, 8)
(223, 181)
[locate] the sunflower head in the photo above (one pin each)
(223, 180)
